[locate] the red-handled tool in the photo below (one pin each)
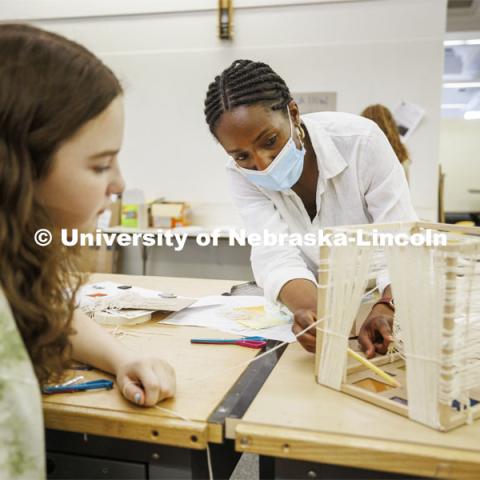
(241, 342)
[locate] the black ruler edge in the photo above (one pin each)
(243, 392)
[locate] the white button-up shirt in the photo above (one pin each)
(360, 181)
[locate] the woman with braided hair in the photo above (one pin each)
(298, 174)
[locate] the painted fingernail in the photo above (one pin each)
(137, 397)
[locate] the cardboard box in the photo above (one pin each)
(170, 214)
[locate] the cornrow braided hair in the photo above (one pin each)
(244, 82)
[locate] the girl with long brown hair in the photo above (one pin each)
(382, 116)
(61, 127)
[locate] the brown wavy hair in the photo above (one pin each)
(49, 88)
(382, 116)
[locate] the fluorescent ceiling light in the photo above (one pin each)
(472, 115)
(452, 106)
(456, 43)
(453, 43)
(461, 85)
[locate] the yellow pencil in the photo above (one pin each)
(373, 368)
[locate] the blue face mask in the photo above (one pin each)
(284, 171)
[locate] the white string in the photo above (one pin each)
(175, 414)
(422, 357)
(268, 352)
(443, 365)
(462, 360)
(347, 270)
(334, 333)
(209, 463)
(186, 419)
(119, 333)
(414, 277)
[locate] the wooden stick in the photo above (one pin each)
(373, 368)
(445, 411)
(321, 304)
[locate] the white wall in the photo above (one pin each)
(460, 160)
(367, 51)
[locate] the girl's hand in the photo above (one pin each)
(146, 380)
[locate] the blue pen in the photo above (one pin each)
(250, 342)
(230, 340)
(80, 387)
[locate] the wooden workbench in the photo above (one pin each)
(294, 418)
(205, 375)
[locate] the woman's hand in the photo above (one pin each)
(301, 320)
(376, 332)
(146, 380)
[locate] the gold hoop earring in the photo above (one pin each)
(300, 132)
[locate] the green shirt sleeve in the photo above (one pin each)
(22, 449)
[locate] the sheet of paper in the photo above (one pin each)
(407, 116)
(239, 315)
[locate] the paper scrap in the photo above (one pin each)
(240, 315)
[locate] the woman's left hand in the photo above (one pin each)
(146, 380)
